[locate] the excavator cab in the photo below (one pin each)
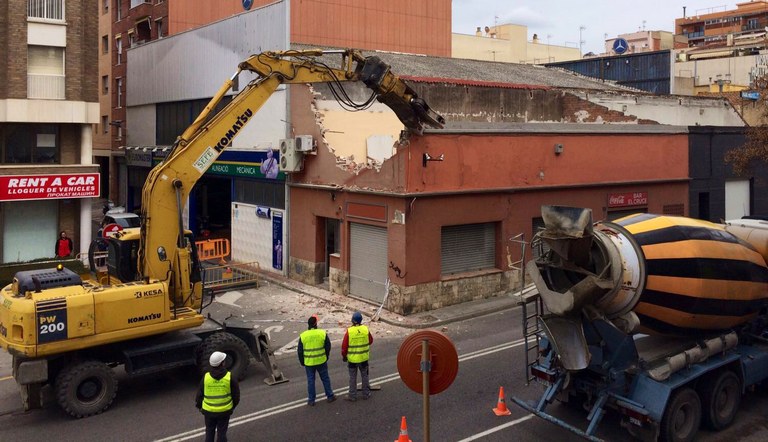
(122, 256)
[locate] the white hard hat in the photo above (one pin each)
(217, 358)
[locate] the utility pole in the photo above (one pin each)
(582, 28)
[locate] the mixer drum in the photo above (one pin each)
(676, 275)
(698, 276)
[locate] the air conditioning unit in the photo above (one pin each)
(305, 143)
(290, 159)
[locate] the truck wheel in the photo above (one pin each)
(720, 400)
(238, 355)
(85, 388)
(682, 416)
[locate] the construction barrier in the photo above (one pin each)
(218, 278)
(211, 249)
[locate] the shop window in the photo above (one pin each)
(260, 193)
(467, 248)
(30, 144)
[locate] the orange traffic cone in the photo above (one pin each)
(501, 406)
(403, 432)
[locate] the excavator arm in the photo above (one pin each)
(163, 251)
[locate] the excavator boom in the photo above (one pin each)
(162, 252)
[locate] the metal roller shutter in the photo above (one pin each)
(467, 248)
(367, 261)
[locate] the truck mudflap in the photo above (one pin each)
(260, 347)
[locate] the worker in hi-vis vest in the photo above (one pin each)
(314, 348)
(217, 397)
(355, 351)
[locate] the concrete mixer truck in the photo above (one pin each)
(660, 319)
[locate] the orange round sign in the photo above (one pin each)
(443, 360)
(109, 229)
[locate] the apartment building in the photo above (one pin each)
(716, 25)
(48, 106)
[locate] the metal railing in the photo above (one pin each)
(46, 9)
(42, 86)
(211, 249)
(218, 278)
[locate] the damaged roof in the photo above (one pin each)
(481, 73)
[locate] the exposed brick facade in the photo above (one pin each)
(14, 45)
(82, 50)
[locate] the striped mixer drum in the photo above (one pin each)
(651, 273)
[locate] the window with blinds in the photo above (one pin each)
(467, 248)
(45, 72)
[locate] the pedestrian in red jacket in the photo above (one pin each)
(64, 246)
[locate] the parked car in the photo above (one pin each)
(119, 216)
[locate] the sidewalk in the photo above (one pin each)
(428, 319)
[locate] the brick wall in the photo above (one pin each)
(82, 63)
(3, 49)
(576, 110)
(14, 47)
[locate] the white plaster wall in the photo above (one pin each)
(347, 132)
(737, 69)
(252, 237)
(671, 110)
(48, 111)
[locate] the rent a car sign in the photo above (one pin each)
(40, 187)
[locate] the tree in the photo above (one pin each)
(755, 148)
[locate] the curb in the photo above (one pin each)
(514, 301)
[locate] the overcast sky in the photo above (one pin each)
(561, 19)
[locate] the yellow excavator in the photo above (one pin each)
(146, 314)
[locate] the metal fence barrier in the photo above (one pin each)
(218, 278)
(211, 249)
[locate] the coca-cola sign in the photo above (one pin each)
(628, 199)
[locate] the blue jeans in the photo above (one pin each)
(322, 369)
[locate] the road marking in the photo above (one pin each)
(499, 428)
(229, 298)
(273, 328)
(288, 406)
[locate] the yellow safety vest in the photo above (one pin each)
(358, 348)
(217, 394)
(313, 343)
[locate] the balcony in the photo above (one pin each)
(46, 10)
(46, 87)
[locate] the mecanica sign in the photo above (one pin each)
(41, 187)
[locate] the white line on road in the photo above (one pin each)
(288, 406)
(499, 428)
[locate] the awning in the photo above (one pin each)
(147, 148)
(727, 53)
